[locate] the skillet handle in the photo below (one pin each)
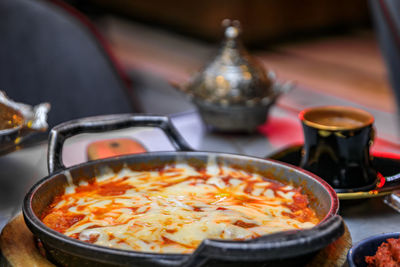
(61, 132)
(282, 245)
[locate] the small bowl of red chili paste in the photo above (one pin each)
(376, 251)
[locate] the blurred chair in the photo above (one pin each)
(49, 52)
(386, 15)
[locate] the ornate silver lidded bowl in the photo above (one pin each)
(233, 93)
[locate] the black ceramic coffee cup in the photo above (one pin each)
(337, 142)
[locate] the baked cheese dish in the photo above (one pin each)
(173, 209)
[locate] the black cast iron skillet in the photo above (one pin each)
(290, 248)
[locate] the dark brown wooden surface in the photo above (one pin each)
(347, 66)
(263, 20)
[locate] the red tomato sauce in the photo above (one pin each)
(387, 255)
(62, 221)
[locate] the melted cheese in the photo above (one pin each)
(174, 209)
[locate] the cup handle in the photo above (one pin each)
(372, 136)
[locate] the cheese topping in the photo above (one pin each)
(172, 210)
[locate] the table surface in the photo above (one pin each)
(21, 169)
(330, 71)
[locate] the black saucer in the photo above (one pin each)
(384, 165)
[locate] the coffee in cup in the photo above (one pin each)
(337, 142)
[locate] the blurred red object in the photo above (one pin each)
(114, 147)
